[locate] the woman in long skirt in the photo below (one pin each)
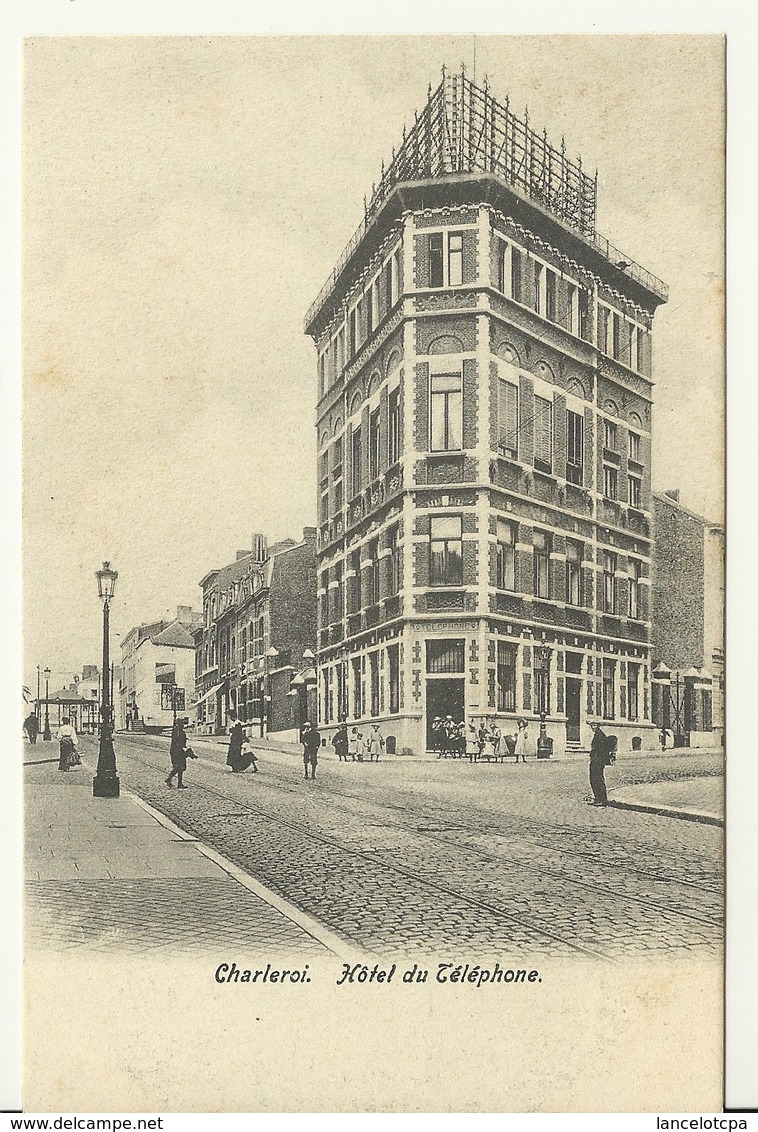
(68, 742)
(521, 741)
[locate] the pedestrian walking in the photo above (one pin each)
(238, 758)
(356, 745)
(311, 740)
(68, 745)
(521, 738)
(600, 756)
(375, 743)
(180, 752)
(340, 742)
(31, 727)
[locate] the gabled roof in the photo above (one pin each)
(174, 635)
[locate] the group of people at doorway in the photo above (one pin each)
(485, 741)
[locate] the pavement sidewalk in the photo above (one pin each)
(113, 873)
(690, 799)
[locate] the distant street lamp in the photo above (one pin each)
(47, 736)
(105, 784)
(544, 742)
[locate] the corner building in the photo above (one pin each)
(484, 447)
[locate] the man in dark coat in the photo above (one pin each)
(31, 726)
(599, 759)
(311, 740)
(236, 758)
(179, 753)
(339, 742)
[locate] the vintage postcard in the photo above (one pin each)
(373, 512)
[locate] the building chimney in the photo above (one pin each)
(673, 493)
(184, 614)
(260, 548)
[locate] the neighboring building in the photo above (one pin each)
(688, 624)
(262, 603)
(484, 446)
(158, 672)
(80, 700)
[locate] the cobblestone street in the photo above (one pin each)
(399, 857)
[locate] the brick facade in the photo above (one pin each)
(508, 521)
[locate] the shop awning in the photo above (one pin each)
(207, 695)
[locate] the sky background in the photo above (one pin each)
(184, 200)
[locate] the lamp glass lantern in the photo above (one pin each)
(106, 581)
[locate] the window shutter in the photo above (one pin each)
(508, 417)
(543, 430)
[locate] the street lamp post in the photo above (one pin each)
(105, 784)
(46, 735)
(544, 742)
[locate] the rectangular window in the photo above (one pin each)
(374, 444)
(516, 275)
(508, 418)
(610, 563)
(610, 436)
(610, 482)
(539, 283)
(541, 564)
(446, 412)
(373, 576)
(338, 499)
(635, 491)
(551, 286)
(322, 375)
(395, 447)
(357, 688)
(436, 260)
(356, 472)
(506, 676)
(373, 661)
(542, 683)
(634, 447)
(339, 596)
(389, 297)
(395, 560)
(572, 308)
(455, 259)
(444, 657)
(355, 567)
(369, 311)
(616, 336)
(585, 308)
(633, 691)
(352, 339)
(573, 572)
(635, 573)
(575, 447)
(502, 266)
(640, 348)
(543, 434)
(324, 509)
(375, 315)
(506, 555)
(446, 551)
(609, 689)
(393, 661)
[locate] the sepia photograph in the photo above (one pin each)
(373, 572)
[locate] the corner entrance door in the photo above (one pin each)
(443, 698)
(573, 709)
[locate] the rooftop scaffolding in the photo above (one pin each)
(464, 130)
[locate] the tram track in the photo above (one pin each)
(294, 827)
